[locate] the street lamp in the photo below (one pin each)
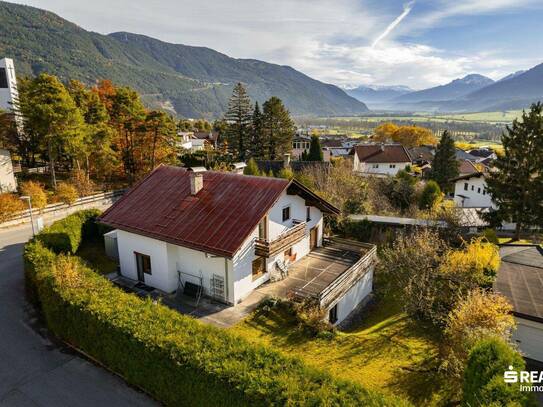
(27, 198)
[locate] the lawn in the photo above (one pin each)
(385, 351)
(93, 252)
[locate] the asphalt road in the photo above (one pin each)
(36, 370)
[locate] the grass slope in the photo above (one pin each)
(386, 351)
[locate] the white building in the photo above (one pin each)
(7, 176)
(470, 191)
(8, 84)
(221, 234)
(380, 159)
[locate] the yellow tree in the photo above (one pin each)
(385, 132)
(412, 136)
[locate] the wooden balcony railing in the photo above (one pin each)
(286, 239)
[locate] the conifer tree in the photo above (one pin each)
(445, 165)
(516, 185)
(252, 168)
(315, 150)
(278, 128)
(239, 120)
(258, 147)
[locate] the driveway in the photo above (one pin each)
(36, 370)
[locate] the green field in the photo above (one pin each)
(481, 117)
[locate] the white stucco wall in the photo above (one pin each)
(378, 168)
(529, 338)
(356, 294)
(162, 277)
(8, 94)
(475, 196)
(7, 176)
(167, 259)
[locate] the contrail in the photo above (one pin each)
(406, 10)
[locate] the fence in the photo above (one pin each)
(100, 200)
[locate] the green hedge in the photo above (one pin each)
(66, 235)
(176, 358)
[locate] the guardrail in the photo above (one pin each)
(24, 216)
(282, 242)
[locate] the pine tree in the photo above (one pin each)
(517, 184)
(315, 150)
(278, 128)
(252, 168)
(445, 165)
(239, 120)
(258, 145)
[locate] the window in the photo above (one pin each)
(332, 314)
(392, 165)
(375, 165)
(484, 191)
(478, 190)
(473, 187)
(143, 263)
(259, 267)
(3, 79)
(308, 214)
(465, 186)
(286, 213)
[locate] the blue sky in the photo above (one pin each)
(417, 43)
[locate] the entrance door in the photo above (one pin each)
(143, 265)
(313, 237)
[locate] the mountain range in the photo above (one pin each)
(374, 95)
(189, 81)
(472, 93)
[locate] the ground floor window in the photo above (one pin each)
(332, 314)
(143, 265)
(259, 267)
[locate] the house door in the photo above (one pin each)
(313, 237)
(143, 265)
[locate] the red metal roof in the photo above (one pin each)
(382, 153)
(216, 220)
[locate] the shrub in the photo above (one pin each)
(66, 193)
(285, 173)
(10, 204)
(479, 315)
(311, 317)
(37, 194)
(82, 183)
(484, 376)
(490, 236)
(431, 196)
(65, 236)
(479, 261)
(180, 361)
(252, 168)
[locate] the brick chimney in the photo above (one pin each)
(286, 160)
(196, 182)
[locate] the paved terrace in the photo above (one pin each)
(311, 275)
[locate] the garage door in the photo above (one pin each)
(529, 337)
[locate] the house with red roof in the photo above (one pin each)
(225, 234)
(380, 159)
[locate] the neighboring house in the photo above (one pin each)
(8, 84)
(185, 139)
(275, 166)
(466, 167)
(422, 155)
(380, 159)
(520, 279)
(212, 137)
(483, 154)
(470, 191)
(7, 176)
(300, 144)
(461, 155)
(222, 234)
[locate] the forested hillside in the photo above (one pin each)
(193, 81)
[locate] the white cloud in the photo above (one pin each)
(330, 40)
(406, 10)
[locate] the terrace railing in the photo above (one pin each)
(282, 242)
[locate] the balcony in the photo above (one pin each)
(266, 248)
